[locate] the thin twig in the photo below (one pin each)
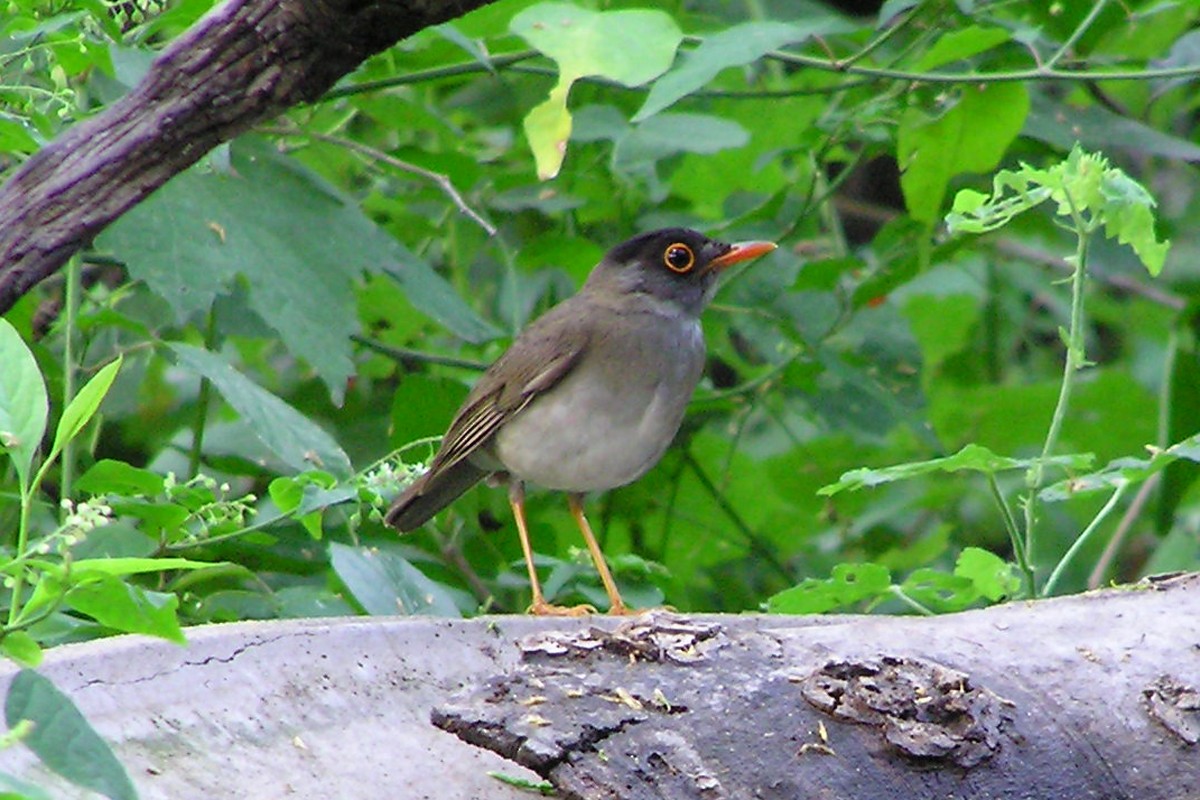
(1076, 34)
(432, 74)
(453, 555)
(976, 77)
(756, 542)
(1123, 527)
(1074, 549)
(438, 178)
(407, 354)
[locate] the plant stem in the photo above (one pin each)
(757, 545)
(435, 73)
(70, 369)
(1076, 34)
(442, 181)
(1039, 73)
(1074, 361)
(14, 603)
(1014, 535)
(408, 354)
(203, 400)
(1124, 525)
(1052, 581)
(900, 595)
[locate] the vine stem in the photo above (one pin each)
(756, 543)
(1052, 581)
(1014, 535)
(1039, 73)
(203, 401)
(1073, 362)
(70, 369)
(442, 181)
(1076, 34)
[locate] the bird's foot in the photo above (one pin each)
(622, 610)
(541, 608)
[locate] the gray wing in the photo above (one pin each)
(539, 358)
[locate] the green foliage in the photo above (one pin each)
(580, 43)
(897, 417)
(269, 345)
(978, 576)
(53, 728)
(1084, 188)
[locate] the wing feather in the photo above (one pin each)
(540, 357)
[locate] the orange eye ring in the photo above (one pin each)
(679, 258)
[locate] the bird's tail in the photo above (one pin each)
(432, 492)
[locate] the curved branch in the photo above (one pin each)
(245, 62)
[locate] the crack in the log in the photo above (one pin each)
(213, 659)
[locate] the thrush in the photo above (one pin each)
(588, 396)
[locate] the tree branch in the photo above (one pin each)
(245, 62)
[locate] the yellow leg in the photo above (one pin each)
(539, 606)
(617, 606)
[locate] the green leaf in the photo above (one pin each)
(84, 405)
(1182, 413)
(23, 403)
(1123, 471)
(109, 476)
(22, 648)
(289, 494)
(1129, 217)
(733, 47)
(63, 739)
(971, 136)
(423, 406)
(127, 608)
(939, 591)
(1084, 186)
(960, 44)
(298, 442)
(848, 584)
(89, 568)
(991, 575)
(892, 8)
(1096, 128)
(12, 788)
(582, 43)
(384, 583)
(668, 134)
(299, 244)
(972, 458)
(15, 138)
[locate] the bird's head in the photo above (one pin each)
(675, 265)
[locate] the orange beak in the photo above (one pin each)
(741, 251)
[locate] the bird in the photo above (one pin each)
(589, 395)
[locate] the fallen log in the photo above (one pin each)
(1082, 698)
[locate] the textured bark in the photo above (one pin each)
(1094, 697)
(243, 63)
(1074, 699)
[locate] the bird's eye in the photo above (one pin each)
(679, 258)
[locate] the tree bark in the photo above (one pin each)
(243, 63)
(1095, 697)
(1073, 699)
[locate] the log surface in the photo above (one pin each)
(1078, 698)
(1084, 698)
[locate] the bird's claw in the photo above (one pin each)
(544, 609)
